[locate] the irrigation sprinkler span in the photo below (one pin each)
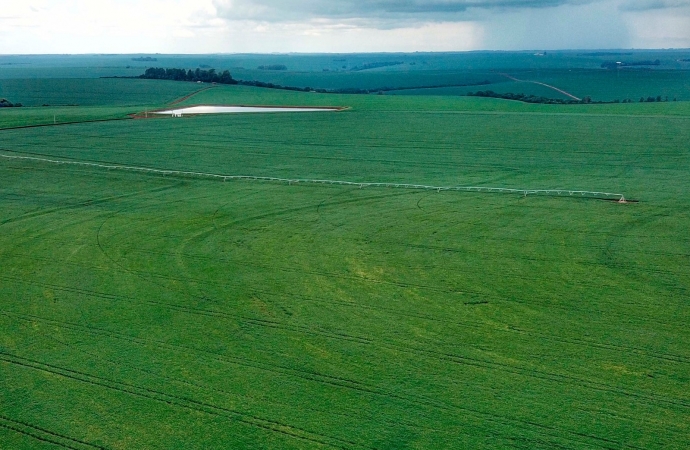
(486, 189)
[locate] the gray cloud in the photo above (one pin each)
(648, 5)
(382, 10)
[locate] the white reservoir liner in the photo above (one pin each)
(237, 110)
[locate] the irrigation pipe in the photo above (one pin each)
(525, 192)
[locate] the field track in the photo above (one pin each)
(187, 97)
(545, 85)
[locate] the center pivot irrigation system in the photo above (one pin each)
(620, 198)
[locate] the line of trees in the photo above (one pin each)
(376, 65)
(528, 98)
(558, 101)
(653, 99)
(4, 103)
(205, 76)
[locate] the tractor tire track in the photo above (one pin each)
(674, 358)
(86, 204)
(45, 435)
(342, 383)
(181, 402)
(198, 311)
(118, 364)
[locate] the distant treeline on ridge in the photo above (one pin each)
(4, 103)
(205, 76)
(376, 65)
(557, 101)
(527, 98)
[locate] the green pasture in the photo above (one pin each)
(142, 310)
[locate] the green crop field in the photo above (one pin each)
(502, 87)
(93, 92)
(619, 84)
(370, 79)
(145, 309)
(579, 73)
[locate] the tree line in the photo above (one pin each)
(4, 103)
(528, 98)
(558, 101)
(204, 76)
(376, 65)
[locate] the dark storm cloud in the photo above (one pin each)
(648, 5)
(423, 10)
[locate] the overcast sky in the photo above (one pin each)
(231, 26)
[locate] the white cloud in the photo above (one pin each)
(341, 37)
(210, 26)
(593, 25)
(659, 29)
(81, 26)
(647, 5)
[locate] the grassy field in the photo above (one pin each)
(240, 95)
(513, 87)
(577, 72)
(600, 85)
(607, 85)
(93, 92)
(151, 311)
(370, 79)
(59, 66)
(41, 116)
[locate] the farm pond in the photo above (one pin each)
(239, 109)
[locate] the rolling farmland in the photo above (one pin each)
(144, 310)
(93, 92)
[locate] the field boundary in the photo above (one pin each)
(361, 184)
(41, 125)
(190, 95)
(543, 84)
